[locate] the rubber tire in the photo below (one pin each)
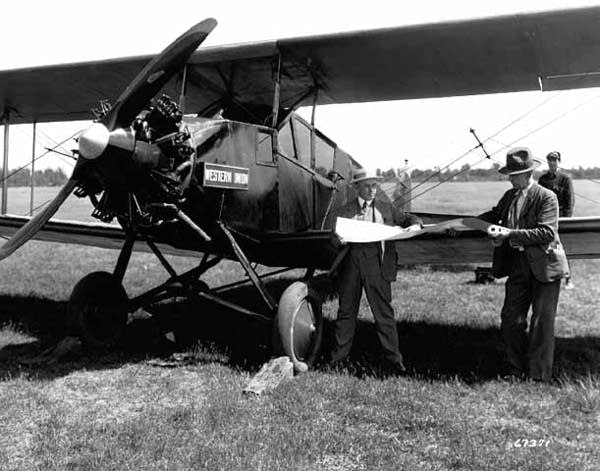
(98, 309)
(299, 324)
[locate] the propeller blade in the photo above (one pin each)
(155, 75)
(94, 140)
(31, 228)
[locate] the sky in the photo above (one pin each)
(427, 133)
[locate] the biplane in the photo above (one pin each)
(201, 151)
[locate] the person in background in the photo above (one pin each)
(372, 267)
(562, 185)
(529, 252)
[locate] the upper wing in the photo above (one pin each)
(553, 50)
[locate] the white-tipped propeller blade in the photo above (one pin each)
(155, 75)
(113, 127)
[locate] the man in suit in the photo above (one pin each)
(372, 267)
(561, 184)
(530, 254)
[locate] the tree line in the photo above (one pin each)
(45, 177)
(57, 176)
(466, 174)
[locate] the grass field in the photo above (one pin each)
(121, 410)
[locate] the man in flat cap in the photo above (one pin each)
(562, 185)
(372, 267)
(531, 255)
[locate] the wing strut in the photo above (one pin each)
(277, 92)
(256, 281)
(183, 88)
(6, 119)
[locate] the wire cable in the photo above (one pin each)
(39, 206)
(505, 146)
(36, 159)
(467, 167)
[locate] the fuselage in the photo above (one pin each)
(283, 216)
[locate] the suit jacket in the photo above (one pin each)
(562, 186)
(391, 217)
(537, 234)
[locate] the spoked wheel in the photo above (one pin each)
(97, 309)
(299, 325)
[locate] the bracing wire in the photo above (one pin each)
(468, 167)
(41, 205)
(524, 115)
(504, 146)
(440, 170)
(502, 129)
(37, 158)
(547, 123)
(43, 136)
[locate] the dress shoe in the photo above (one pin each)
(393, 369)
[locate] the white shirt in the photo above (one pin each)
(516, 206)
(514, 212)
(367, 214)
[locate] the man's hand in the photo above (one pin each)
(341, 240)
(414, 227)
(498, 234)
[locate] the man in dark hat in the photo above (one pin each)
(371, 266)
(561, 184)
(529, 253)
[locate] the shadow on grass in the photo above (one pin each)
(431, 351)
(31, 326)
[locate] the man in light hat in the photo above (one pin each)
(372, 267)
(562, 185)
(529, 253)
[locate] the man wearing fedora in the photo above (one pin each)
(562, 185)
(372, 267)
(531, 255)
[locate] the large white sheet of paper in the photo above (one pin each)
(355, 231)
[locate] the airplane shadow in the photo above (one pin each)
(207, 331)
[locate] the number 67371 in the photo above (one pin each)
(531, 443)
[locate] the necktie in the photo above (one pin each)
(515, 208)
(363, 211)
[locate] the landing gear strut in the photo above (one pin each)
(98, 307)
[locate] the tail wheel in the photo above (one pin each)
(97, 309)
(300, 325)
